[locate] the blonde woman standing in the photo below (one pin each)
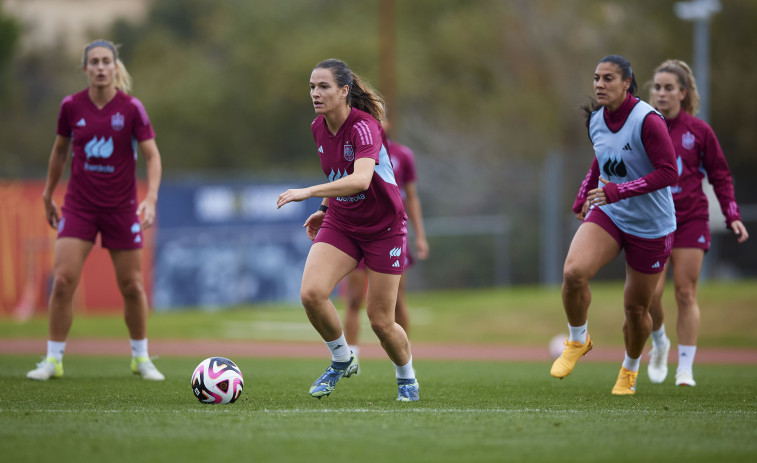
(101, 128)
(674, 94)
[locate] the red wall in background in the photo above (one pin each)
(27, 246)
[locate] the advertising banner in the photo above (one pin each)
(221, 245)
(27, 250)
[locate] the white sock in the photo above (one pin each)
(578, 333)
(405, 371)
(658, 337)
(340, 351)
(355, 350)
(631, 364)
(56, 349)
(686, 357)
(139, 348)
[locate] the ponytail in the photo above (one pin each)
(365, 98)
(589, 108)
(122, 79)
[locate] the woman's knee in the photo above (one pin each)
(574, 276)
(636, 313)
(686, 295)
(381, 325)
(63, 286)
(354, 302)
(312, 295)
(131, 288)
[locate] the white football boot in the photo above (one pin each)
(658, 363)
(144, 367)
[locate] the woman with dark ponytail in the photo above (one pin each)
(625, 204)
(361, 217)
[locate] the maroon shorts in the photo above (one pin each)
(642, 254)
(693, 233)
(118, 230)
(408, 261)
(383, 256)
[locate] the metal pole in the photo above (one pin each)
(700, 12)
(551, 219)
(702, 65)
(502, 259)
(388, 58)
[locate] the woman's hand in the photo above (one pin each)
(51, 212)
(146, 210)
(421, 247)
(597, 196)
(740, 230)
(584, 210)
(313, 224)
(299, 194)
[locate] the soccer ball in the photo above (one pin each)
(217, 380)
(556, 345)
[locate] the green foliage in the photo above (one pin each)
(239, 74)
(469, 411)
(226, 82)
(9, 35)
(486, 89)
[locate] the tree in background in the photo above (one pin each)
(486, 89)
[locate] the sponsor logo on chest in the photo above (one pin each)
(99, 147)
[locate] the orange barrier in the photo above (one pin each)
(27, 245)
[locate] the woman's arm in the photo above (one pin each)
(58, 158)
(415, 215)
(719, 176)
(151, 154)
(359, 180)
(659, 148)
(581, 204)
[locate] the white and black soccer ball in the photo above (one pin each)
(217, 380)
(557, 344)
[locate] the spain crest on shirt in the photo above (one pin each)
(349, 153)
(117, 121)
(687, 140)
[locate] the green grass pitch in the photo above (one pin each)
(469, 412)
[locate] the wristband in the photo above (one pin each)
(323, 208)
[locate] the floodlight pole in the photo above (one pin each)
(388, 58)
(700, 12)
